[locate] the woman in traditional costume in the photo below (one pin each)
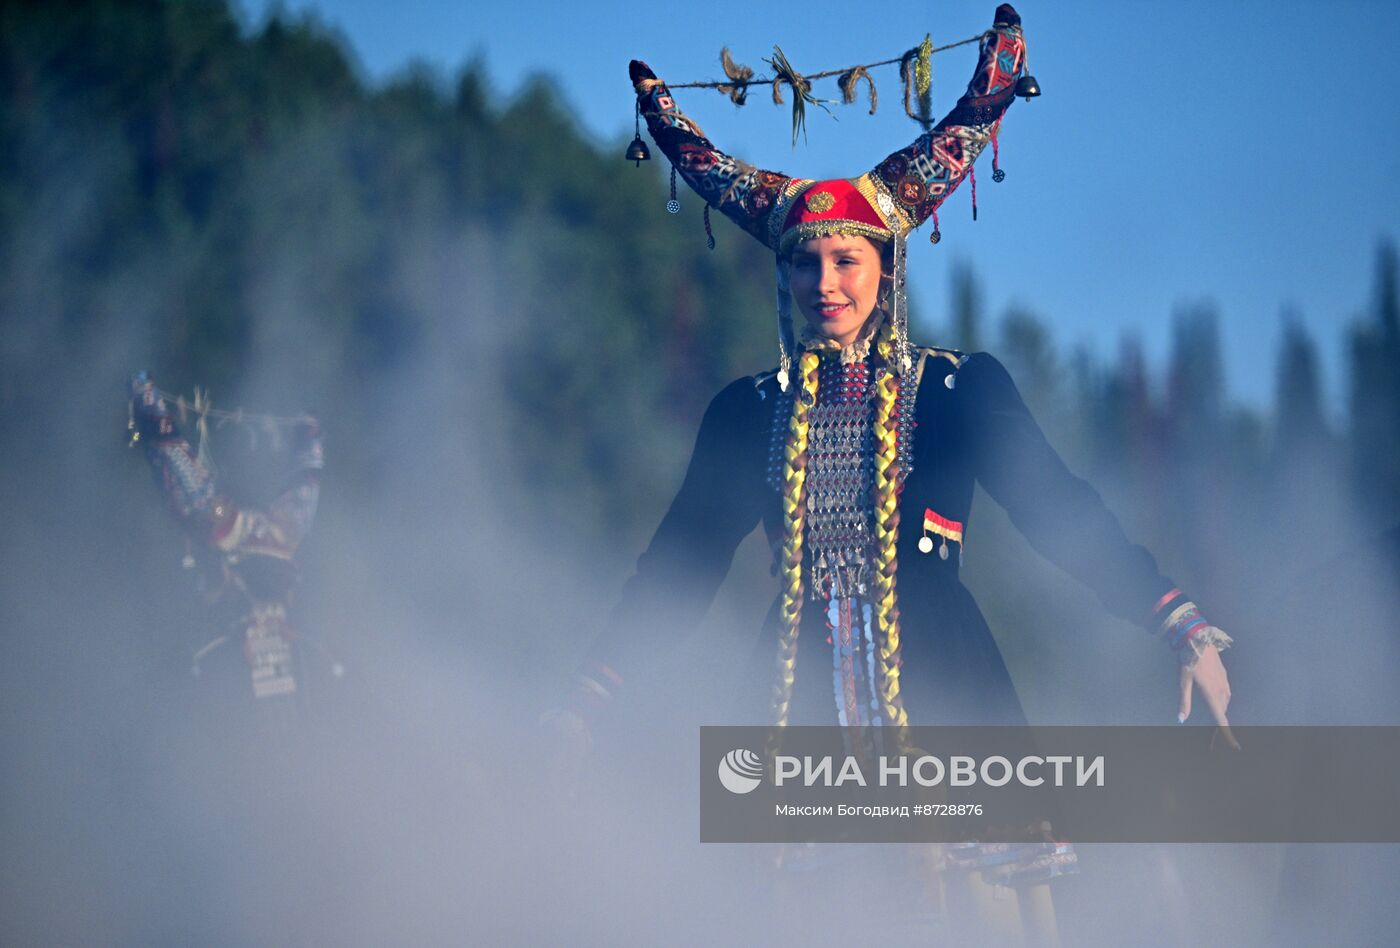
(859, 454)
(245, 554)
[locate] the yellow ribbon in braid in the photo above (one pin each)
(887, 532)
(794, 521)
(886, 502)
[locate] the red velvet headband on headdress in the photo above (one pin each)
(827, 208)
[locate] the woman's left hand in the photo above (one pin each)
(1208, 673)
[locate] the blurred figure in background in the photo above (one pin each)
(245, 557)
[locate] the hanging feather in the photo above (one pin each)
(916, 72)
(848, 81)
(738, 89)
(802, 92)
(906, 76)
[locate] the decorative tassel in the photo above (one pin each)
(972, 176)
(908, 73)
(870, 650)
(673, 206)
(923, 66)
(923, 81)
(935, 235)
(785, 336)
(847, 83)
(738, 90)
(833, 622)
(900, 314)
(801, 92)
(709, 234)
(997, 174)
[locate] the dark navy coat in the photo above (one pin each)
(975, 430)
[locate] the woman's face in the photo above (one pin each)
(836, 283)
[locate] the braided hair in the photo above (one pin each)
(886, 506)
(886, 502)
(794, 522)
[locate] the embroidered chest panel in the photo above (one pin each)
(840, 475)
(849, 383)
(840, 479)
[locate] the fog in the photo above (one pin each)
(409, 800)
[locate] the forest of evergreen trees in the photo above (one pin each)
(242, 211)
(239, 209)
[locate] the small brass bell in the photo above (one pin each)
(637, 152)
(1027, 87)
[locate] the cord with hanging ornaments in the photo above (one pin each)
(916, 75)
(204, 412)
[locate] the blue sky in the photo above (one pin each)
(1246, 153)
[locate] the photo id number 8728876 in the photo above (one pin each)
(948, 809)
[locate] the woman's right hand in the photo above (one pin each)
(1208, 674)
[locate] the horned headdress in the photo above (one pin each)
(884, 204)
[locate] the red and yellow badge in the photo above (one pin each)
(943, 527)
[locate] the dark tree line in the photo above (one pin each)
(237, 208)
(509, 344)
